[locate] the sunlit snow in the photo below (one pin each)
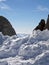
(30, 49)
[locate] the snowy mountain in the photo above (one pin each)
(22, 35)
(26, 50)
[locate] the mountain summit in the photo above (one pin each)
(5, 27)
(42, 25)
(47, 23)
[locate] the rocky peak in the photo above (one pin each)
(6, 27)
(41, 25)
(47, 24)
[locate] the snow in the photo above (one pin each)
(24, 49)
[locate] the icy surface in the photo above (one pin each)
(26, 50)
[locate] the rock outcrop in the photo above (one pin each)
(41, 25)
(47, 24)
(5, 27)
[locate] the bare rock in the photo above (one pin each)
(5, 27)
(41, 25)
(47, 24)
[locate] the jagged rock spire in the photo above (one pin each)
(47, 24)
(41, 25)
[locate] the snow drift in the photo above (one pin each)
(27, 50)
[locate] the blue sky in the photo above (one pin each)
(24, 15)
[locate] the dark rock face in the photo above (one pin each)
(5, 27)
(47, 24)
(41, 25)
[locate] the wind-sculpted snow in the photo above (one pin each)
(26, 50)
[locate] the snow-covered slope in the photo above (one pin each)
(27, 50)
